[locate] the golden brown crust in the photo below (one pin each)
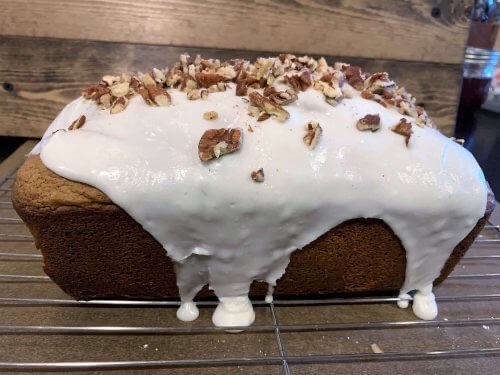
(99, 251)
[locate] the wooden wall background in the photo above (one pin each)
(51, 49)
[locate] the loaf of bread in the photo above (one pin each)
(215, 173)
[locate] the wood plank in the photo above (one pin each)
(48, 73)
(417, 30)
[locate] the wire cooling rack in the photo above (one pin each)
(44, 331)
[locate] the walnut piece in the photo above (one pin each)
(78, 123)
(258, 175)
(313, 134)
(268, 106)
(218, 142)
(211, 115)
(403, 128)
(369, 122)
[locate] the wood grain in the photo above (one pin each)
(416, 30)
(48, 73)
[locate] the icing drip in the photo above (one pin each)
(225, 230)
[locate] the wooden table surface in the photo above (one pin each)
(49, 50)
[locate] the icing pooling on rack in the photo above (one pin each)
(224, 229)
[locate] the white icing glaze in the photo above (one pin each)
(225, 230)
(187, 312)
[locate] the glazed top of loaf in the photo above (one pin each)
(232, 166)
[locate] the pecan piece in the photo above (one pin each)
(94, 92)
(78, 123)
(283, 97)
(263, 116)
(369, 122)
(403, 128)
(378, 83)
(148, 80)
(120, 89)
(217, 142)
(211, 115)
(119, 104)
(159, 96)
(268, 91)
(268, 106)
(208, 79)
(313, 134)
(299, 82)
(110, 80)
(353, 76)
(258, 175)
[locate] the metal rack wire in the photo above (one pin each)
(21, 272)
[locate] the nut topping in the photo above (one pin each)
(258, 175)
(78, 123)
(263, 116)
(404, 129)
(215, 143)
(159, 96)
(119, 104)
(353, 76)
(148, 80)
(208, 79)
(120, 89)
(283, 97)
(198, 77)
(369, 122)
(313, 134)
(211, 115)
(268, 106)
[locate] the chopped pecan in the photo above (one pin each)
(78, 123)
(378, 82)
(105, 101)
(268, 91)
(369, 122)
(263, 116)
(147, 80)
(283, 97)
(244, 83)
(258, 175)
(353, 76)
(299, 82)
(120, 89)
(94, 92)
(365, 94)
(110, 80)
(159, 76)
(403, 128)
(208, 79)
(313, 134)
(217, 142)
(194, 94)
(268, 106)
(176, 78)
(159, 96)
(211, 115)
(119, 104)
